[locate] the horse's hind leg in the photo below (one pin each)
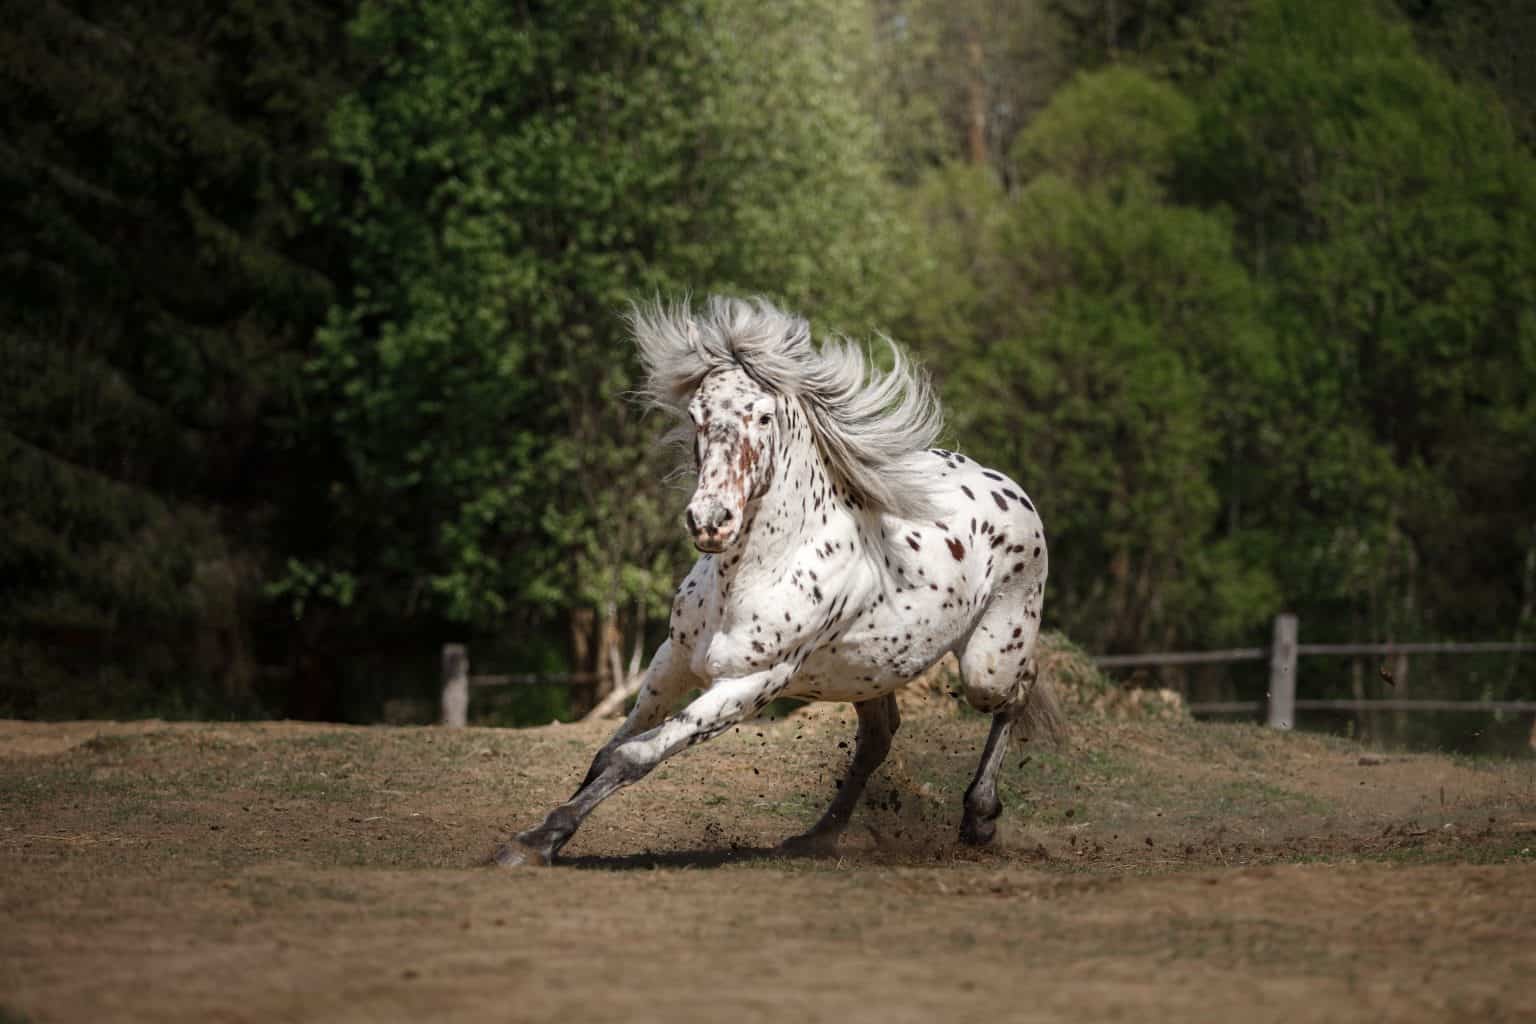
(878, 721)
(1000, 675)
(982, 804)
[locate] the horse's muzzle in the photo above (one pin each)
(712, 525)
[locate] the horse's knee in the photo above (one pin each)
(987, 698)
(627, 761)
(989, 685)
(620, 762)
(997, 680)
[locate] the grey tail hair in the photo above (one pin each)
(868, 424)
(1040, 715)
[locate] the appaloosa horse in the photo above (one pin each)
(841, 557)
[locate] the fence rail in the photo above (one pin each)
(457, 682)
(1491, 647)
(534, 679)
(1282, 654)
(1212, 707)
(1182, 657)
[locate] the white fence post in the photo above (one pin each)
(1282, 673)
(455, 685)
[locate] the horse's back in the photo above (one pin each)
(989, 528)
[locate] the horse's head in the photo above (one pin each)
(735, 421)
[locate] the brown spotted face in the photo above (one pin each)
(735, 423)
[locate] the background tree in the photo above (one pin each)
(159, 287)
(1120, 339)
(513, 179)
(1484, 44)
(956, 81)
(313, 354)
(1390, 211)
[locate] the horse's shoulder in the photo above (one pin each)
(696, 593)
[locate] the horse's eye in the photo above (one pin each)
(765, 419)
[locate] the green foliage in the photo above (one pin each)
(157, 291)
(1101, 392)
(957, 79)
(311, 345)
(1253, 324)
(1484, 44)
(1180, 38)
(512, 180)
(1117, 128)
(1392, 211)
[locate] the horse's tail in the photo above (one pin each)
(1039, 715)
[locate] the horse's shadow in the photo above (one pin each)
(706, 858)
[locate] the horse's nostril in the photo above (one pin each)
(726, 515)
(693, 523)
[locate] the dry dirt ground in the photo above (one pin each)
(1152, 871)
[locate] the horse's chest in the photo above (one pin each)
(733, 653)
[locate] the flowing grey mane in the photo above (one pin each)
(867, 424)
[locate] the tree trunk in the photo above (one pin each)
(612, 705)
(976, 98)
(637, 652)
(583, 662)
(610, 652)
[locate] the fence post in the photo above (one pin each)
(1282, 673)
(455, 685)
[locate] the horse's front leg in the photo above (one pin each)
(619, 764)
(667, 680)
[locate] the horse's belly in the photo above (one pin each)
(876, 657)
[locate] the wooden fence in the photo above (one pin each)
(1283, 653)
(457, 682)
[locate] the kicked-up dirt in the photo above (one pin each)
(1150, 871)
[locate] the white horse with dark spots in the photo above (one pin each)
(841, 556)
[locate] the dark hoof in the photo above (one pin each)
(978, 831)
(978, 825)
(515, 853)
(809, 844)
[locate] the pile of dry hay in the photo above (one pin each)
(1079, 685)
